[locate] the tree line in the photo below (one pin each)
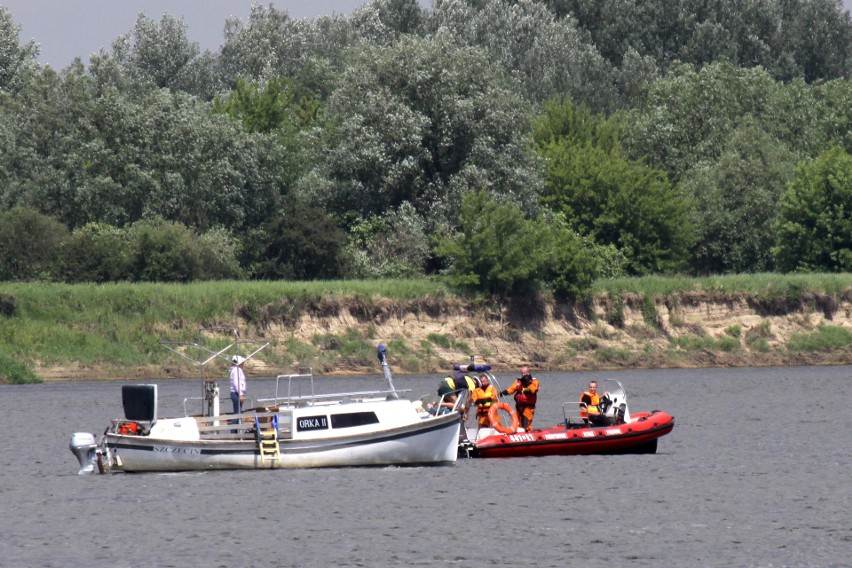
(507, 145)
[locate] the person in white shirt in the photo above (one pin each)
(238, 383)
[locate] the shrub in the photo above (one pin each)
(15, 371)
(440, 340)
(162, 251)
(29, 243)
(96, 252)
(650, 315)
(825, 338)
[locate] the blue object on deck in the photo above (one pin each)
(469, 367)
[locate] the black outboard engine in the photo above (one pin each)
(620, 412)
(84, 446)
(605, 403)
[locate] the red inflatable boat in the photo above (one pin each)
(626, 433)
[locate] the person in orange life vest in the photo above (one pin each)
(525, 389)
(483, 397)
(590, 410)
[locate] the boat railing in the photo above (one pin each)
(248, 403)
(575, 409)
(301, 392)
(441, 407)
(243, 425)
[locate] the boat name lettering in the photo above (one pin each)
(171, 450)
(312, 423)
(522, 437)
(613, 432)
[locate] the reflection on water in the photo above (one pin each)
(755, 473)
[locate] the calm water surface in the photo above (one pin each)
(756, 473)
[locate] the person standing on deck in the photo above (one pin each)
(483, 397)
(238, 383)
(525, 388)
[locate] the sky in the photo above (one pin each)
(66, 29)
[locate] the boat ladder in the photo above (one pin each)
(267, 439)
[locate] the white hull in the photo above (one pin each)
(338, 429)
(427, 441)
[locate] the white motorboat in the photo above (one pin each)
(373, 428)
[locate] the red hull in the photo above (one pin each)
(638, 437)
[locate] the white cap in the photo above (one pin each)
(238, 360)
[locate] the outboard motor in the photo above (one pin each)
(84, 446)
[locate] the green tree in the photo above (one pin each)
(51, 120)
(272, 44)
(734, 203)
(154, 55)
(606, 197)
(813, 41)
(116, 160)
(500, 251)
(268, 107)
(497, 250)
(691, 113)
(383, 21)
(301, 242)
(394, 245)
(815, 222)
(577, 261)
(546, 56)
(807, 39)
(422, 121)
(16, 60)
(29, 242)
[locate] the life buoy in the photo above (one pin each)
(496, 423)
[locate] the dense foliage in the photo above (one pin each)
(512, 145)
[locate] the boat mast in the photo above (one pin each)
(210, 387)
(383, 352)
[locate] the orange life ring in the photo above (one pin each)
(497, 424)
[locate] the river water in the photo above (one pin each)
(757, 472)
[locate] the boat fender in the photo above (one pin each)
(497, 424)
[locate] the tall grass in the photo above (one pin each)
(761, 284)
(17, 371)
(121, 323)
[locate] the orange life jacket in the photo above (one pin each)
(528, 398)
(483, 398)
(592, 401)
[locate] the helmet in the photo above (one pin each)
(238, 360)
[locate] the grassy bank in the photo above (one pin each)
(115, 327)
(103, 331)
(766, 286)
